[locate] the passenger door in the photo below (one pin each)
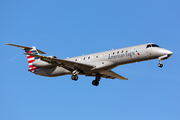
(149, 50)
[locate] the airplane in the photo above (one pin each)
(99, 65)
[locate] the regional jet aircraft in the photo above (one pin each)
(97, 64)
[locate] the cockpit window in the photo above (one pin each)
(154, 45)
(148, 46)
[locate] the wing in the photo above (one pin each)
(112, 75)
(64, 62)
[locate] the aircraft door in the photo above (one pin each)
(148, 50)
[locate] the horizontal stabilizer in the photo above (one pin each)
(25, 47)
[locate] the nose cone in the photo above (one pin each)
(167, 52)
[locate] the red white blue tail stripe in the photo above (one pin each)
(31, 59)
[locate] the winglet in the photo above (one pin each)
(25, 47)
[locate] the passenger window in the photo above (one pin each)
(113, 53)
(117, 52)
(122, 51)
(100, 55)
(84, 58)
(92, 56)
(148, 46)
(104, 54)
(97, 56)
(88, 57)
(75, 59)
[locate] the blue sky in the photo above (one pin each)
(75, 27)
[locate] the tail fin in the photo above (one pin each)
(30, 59)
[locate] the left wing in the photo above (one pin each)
(64, 62)
(112, 75)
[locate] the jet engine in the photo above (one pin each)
(43, 63)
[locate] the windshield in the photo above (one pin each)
(154, 45)
(148, 46)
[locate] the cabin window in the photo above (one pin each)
(84, 58)
(88, 57)
(97, 56)
(113, 53)
(75, 59)
(117, 52)
(100, 55)
(80, 59)
(92, 56)
(122, 51)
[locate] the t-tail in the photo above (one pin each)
(30, 59)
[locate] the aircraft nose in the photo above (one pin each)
(167, 52)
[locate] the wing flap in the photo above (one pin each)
(66, 62)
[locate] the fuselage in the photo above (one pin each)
(109, 59)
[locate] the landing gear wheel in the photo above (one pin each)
(95, 82)
(160, 65)
(74, 77)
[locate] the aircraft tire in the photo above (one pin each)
(74, 77)
(95, 82)
(160, 65)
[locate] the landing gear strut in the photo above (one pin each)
(74, 76)
(96, 81)
(160, 64)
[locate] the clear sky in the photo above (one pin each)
(69, 28)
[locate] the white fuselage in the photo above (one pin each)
(109, 59)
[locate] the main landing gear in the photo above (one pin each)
(74, 77)
(96, 81)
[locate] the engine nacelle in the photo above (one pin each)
(43, 64)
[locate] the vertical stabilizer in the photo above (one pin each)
(30, 59)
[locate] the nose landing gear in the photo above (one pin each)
(160, 64)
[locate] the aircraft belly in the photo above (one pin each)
(52, 72)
